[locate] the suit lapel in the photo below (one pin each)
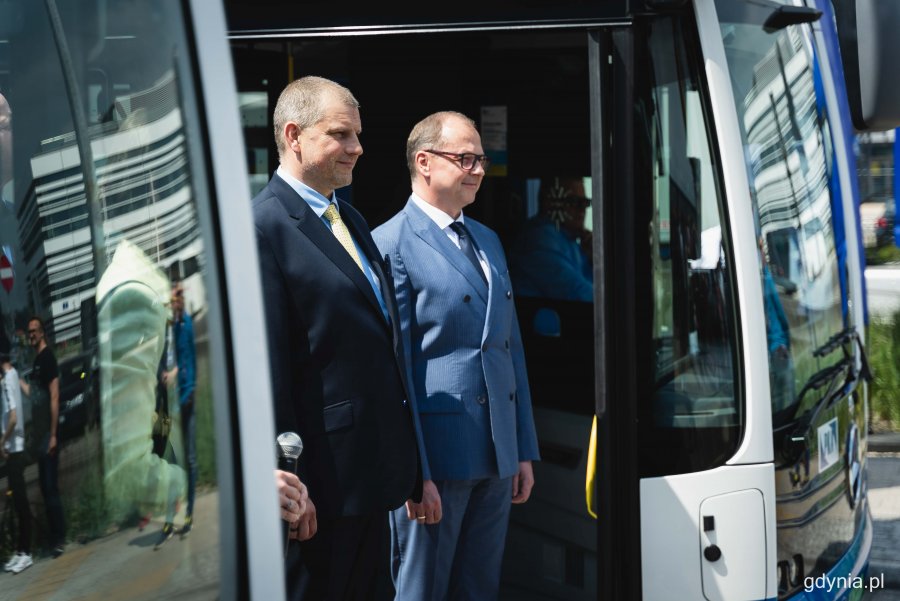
(431, 234)
(318, 233)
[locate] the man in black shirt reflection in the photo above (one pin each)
(43, 391)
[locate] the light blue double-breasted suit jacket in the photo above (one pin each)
(463, 350)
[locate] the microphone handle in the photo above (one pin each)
(287, 464)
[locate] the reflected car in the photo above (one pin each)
(78, 398)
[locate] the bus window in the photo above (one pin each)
(692, 420)
(100, 224)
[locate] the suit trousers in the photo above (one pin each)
(458, 558)
(346, 560)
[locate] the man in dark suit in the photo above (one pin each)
(334, 347)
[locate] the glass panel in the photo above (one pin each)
(693, 419)
(785, 129)
(101, 241)
(788, 148)
(551, 267)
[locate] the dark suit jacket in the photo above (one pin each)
(335, 361)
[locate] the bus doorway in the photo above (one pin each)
(529, 92)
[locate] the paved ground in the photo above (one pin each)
(884, 499)
(125, 565)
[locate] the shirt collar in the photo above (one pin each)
(442, 219)
(316, 201)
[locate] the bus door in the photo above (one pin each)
(530, 92)
(605, 189)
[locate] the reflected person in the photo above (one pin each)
(12, 450)
(778, 335)
(43, 393)
(552, 255)
(181, 360)
(131, 317)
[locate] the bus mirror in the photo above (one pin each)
(867, 32)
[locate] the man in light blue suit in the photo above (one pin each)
(466, 367)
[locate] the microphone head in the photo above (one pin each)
(289, 445)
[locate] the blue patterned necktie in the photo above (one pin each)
(468, 247)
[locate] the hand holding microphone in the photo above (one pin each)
(294, 500)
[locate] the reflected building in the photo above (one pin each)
(145, 196)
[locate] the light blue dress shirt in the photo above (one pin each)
(319, 204)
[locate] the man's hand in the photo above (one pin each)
(51, 446)
(168, 377)
(296, 507)
(306, 526)
(523, 482)
(292, 496)
(429, 510)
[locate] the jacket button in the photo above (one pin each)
(508, 294)
(467, 298)
(481, 399)
(511, 396)
(484, 347)
(506, 343)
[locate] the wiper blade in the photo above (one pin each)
(839, 339)
(848, 334)
(828, 376)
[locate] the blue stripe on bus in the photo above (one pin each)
(829, 33)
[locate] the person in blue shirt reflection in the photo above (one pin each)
(778, 335)
(552, 256)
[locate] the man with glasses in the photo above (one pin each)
(467, 368)
(43, 392)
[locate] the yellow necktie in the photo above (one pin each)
(341, 232)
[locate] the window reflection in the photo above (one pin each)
(788, 147)
(551, 267)
(552, 257)
(117, 275)
(694, 407)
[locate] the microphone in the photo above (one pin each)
(289, 445)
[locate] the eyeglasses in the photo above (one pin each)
(466, 160)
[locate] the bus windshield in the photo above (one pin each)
(788, 150)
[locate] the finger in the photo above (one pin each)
(303, 531)
(292, 510)
(524, 493)
(283, 477)
(313, 527)
(515, 486)
(434, 516)
(285, 498)
(413, 510)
